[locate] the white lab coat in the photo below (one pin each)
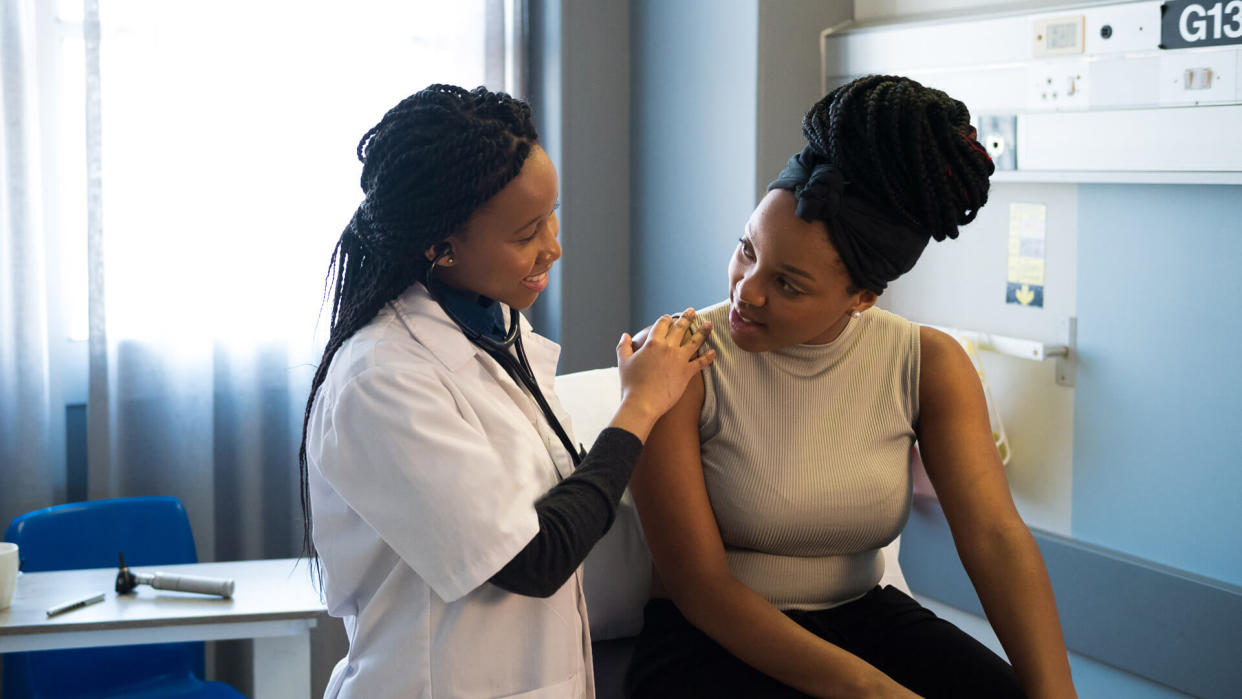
(425, 461)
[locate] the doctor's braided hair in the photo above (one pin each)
(428, 165)
(910, 150)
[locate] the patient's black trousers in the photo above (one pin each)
(886, 628)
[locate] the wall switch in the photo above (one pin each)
(1197, 79)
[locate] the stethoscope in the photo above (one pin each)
(517, 367)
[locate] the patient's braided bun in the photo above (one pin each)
(909, 149)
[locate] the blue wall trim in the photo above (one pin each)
(1173, 627)
(1156, 409)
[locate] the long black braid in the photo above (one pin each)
(428, 165)
(909, 149)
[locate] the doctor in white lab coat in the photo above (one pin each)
(443, 500)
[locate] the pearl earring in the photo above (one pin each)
(857, 314)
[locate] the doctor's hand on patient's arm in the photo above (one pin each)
(640, 337)
(654, 376)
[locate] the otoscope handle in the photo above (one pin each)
(190, 583)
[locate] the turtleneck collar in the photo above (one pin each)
(481, 314)
(808, 359)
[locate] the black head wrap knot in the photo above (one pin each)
(819, 199)
(874, 248)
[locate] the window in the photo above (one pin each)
(227, 144)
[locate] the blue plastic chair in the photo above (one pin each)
(150, 531)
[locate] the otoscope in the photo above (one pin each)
(127, 580)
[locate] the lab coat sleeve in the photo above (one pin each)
(427, 481)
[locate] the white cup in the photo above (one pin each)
(8, 572)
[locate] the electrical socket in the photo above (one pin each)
(1057, 86)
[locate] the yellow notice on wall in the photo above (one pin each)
(1026, 254)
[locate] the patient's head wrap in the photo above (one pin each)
(876, 249)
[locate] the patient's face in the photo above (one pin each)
(787, 285)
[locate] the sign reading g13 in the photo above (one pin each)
(1186, 24)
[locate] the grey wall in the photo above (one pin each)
(719, 89)
(666, 121)
(595, 181)
(788, 78)
(693, 150)
(544, 85)
(580, 86)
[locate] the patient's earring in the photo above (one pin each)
(857, 314)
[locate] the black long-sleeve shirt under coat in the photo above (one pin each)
(573, 515)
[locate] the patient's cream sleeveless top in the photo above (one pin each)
(806, 456)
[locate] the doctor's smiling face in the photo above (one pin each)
(505, 249)
(787, 284)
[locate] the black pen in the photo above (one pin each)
(76, 604)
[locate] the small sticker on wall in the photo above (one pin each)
(1026, 254)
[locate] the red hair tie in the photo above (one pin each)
(965, 194)
(972, 140)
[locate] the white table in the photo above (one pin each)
(273, 603)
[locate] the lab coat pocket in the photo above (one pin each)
(510, 645)
(572, 688)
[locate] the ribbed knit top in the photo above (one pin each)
(806, 456)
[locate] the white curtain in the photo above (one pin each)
(32, 447)
(220, 168)
(227, 170)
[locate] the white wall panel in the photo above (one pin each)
(1191, 139)
(961, 283)
(1120, 105)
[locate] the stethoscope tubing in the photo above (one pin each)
(518, 368)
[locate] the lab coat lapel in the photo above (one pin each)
(427, 322)
(526, 403)
(519, 397)
(430, 325)
(543, 355)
